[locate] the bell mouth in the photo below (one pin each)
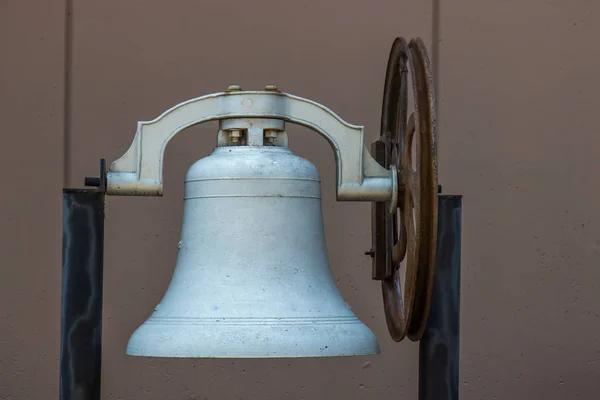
(253, 338)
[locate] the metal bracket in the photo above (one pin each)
(359, 177)
(99, 182)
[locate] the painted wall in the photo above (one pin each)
(516, 100)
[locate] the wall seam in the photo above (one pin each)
(435, 53)
(68, 46)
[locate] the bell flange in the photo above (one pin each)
(252, 338)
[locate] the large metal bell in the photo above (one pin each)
(252, 277)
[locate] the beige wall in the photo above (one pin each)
(31, 160)
(517, 99)
(519, 138)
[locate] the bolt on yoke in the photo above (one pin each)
(253, 118)
(252, 132)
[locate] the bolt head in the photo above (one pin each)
(271, 88)
(234, 88)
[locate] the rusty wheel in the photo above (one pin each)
(405, 239)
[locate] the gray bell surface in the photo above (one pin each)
(252, 277)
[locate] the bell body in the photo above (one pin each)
(252, 277)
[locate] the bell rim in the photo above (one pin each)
(253, 340)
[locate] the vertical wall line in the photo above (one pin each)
(67, 93)
(435, 63)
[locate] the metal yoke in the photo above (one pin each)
(359, 177)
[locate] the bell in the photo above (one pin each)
(252, 277)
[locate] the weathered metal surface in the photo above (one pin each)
(425, 195)
(379, 212)
(411, 228)
(82, 273)
(439, 346)
(252, 278)
(359, 176)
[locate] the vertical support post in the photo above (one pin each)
(82, 274)
(439, 347)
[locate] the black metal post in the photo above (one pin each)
(82, 274)
(439, 347)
